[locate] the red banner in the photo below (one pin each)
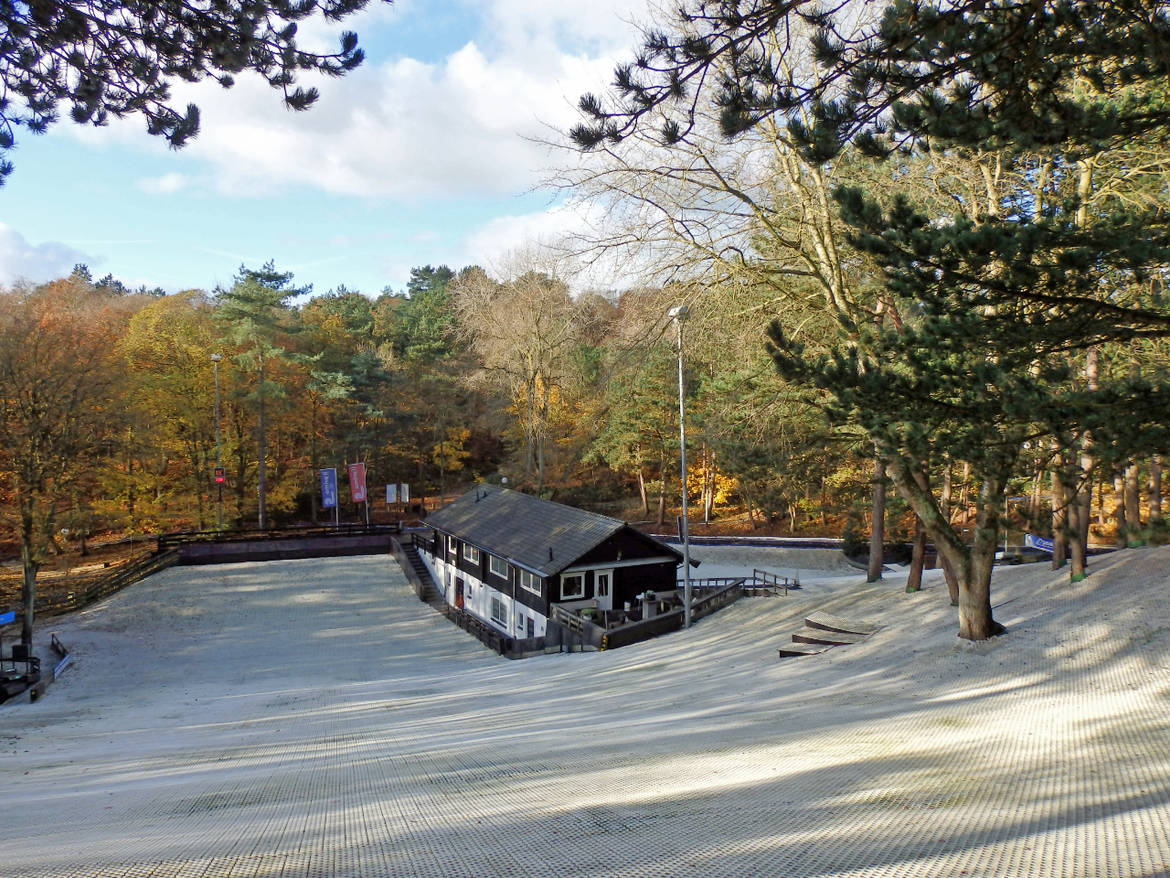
(357, 482)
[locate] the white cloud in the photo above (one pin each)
(468, 125)
(562, 232)
(167, 184)
(601, 26)
(36, 263)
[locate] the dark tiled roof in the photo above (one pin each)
(523, 528)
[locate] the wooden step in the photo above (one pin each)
(827, 622)
(832, 638)
(795, 649)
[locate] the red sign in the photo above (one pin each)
(220, 477)
(357, 482)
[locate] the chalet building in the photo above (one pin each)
(508, 557)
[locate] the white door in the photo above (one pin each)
(603, 589)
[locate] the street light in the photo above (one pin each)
(215, 358)
(677, 313)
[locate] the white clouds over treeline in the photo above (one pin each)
(35, 263)
(434, 141)
(472, 124)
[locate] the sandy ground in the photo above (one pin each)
(313, 718)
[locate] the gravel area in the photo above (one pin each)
(313, 718)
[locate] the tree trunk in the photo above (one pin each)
(642, 495)
(975, 618)
(1034, 500)
(662, 494)
(28, 585)
(1121, 525)
(262, 452)
(877, 525)
(1059, 517)
(1078, 556)
(972, 566)
(1155, 487)
(917, 557)
(314, 464)
(918, 552)
(1133, 505)
(539, 465)
(708, 484)
(965, 494)
(948, 569)
(944, 499)
(1084, 499)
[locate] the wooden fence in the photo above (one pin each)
(85, 590)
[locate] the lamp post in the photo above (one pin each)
(677, 313)
(215, 358)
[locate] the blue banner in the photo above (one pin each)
(1041, 543)
(329, 488)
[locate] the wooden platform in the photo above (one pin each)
(795, 649)
(829, 638)
(827, 622)
(823, 631)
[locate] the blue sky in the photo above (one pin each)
(426, 154)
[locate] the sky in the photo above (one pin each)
(433, 152)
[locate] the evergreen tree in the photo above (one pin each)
(254, 314)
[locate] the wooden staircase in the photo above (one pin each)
(822, 631)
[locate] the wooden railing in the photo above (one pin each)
(167, 541)
(89, 589)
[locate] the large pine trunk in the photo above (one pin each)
(1133, 504)
(972, 565)
(1059, 518)
(877, 525)
(917, 557)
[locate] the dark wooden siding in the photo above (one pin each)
(632, 581)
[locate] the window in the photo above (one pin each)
(498, 566)
(451, 546)
(529, 582)
(531, 627)
(471, 553)
(499, 613)
(572, 586)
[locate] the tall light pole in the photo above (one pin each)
(215, 358)
(677, 313)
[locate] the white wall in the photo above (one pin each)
(477, 598)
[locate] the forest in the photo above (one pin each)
(923, 253)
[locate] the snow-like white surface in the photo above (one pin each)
(313, 718)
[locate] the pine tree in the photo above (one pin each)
(253, 314)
